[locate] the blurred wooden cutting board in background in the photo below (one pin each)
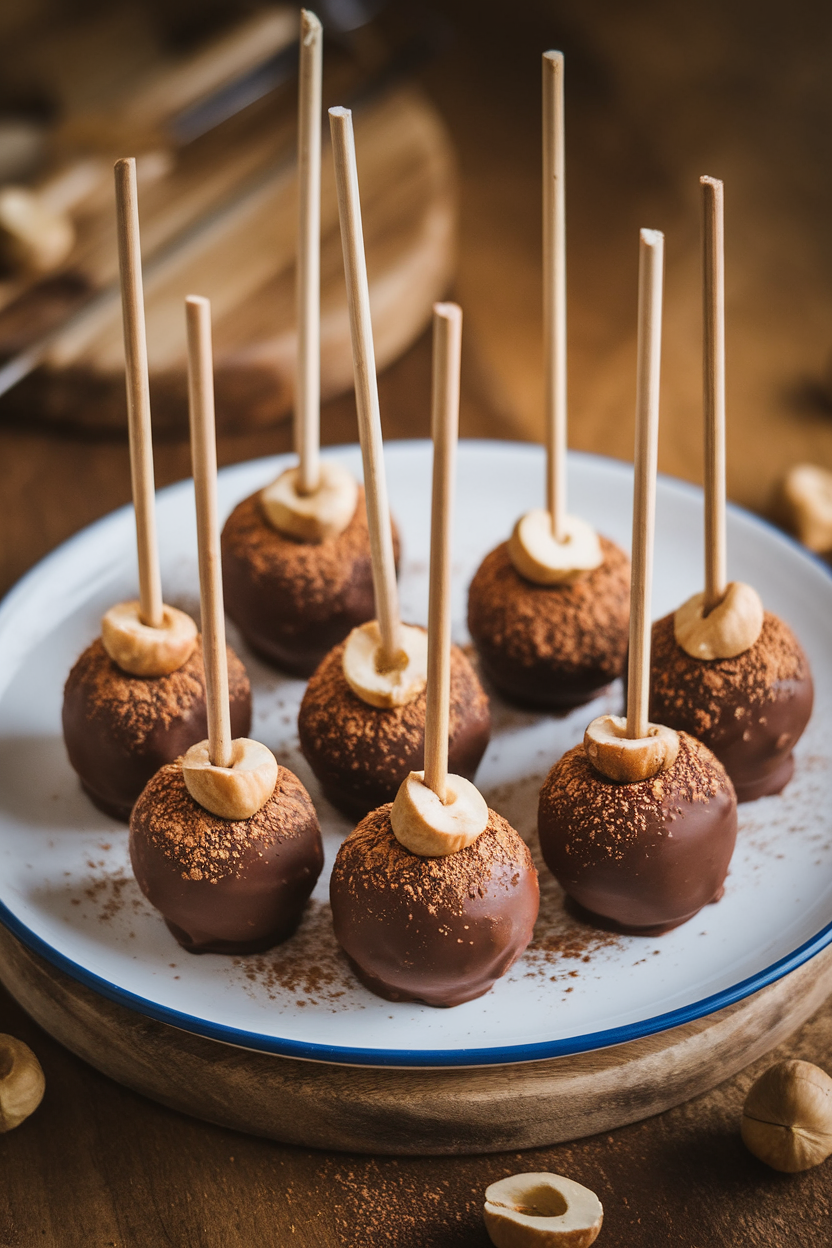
(219, 218)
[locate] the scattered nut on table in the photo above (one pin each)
(21, 1082)
(805, 504)
(541, 1211)
(787, 1116)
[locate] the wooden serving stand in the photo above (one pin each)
(401, 1111)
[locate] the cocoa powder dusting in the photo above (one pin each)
(613, 815)
(698, 688)
(372, 859)
(134, 706)
(575, 622)
(205, 846)
(309, 969)
(311, 574)
(339, 726)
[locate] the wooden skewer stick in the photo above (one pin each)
(650, 279)
(366, 385)
(713, 309)
(308, 394)
(447, 345)
(204, 460)
(554, 290)
(138, 391)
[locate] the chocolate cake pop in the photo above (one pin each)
(119, 728)
(296, 555)
(547, 610)
(434, 896)
(361, 753)
(639, 822)
(725, 669)
(136, 697)
(361, 721)
(223, 841)
(293, 600)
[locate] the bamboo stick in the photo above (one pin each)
(650, 279)
(308, 392)
(138, 391)
(366, 385)
(447, 345)
(554, 290)
(204, 458)
(713, 317)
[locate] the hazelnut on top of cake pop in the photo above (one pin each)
(750, 708)
(435, 896)
(724, 668)
(233, 876)
(642, 855)
(119, 729)
(361, 721)
(294, 600)
(224, 842)
(638, 823)
(361, 753)
(547, 610)
(296, 554)
(135, 699)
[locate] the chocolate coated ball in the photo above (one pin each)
(750, 710)
(226, 886)
(120, 729)
(553, 646)
(292, 600)
(437, 930)
(361, 753)
(642, 857)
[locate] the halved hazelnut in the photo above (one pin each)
(540, 558)
(727, 630)
(541, 1211)
(432, 828)
(21, 1082)
(311, 517)
(141, 650)
(376, 683)
(629, 759)
(235, 792)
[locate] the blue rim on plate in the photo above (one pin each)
(419, 1058)
(342, 1056)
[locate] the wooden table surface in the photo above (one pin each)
(656, 95)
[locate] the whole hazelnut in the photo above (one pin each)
(21, 1082)
(787, 1116)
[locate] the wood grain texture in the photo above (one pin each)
(244, 260)
(410, 1112)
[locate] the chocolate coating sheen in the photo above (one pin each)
(225, 886)
(120, 729)
(750, 710)
(641, 857)
(554, 646)
(437, 930)
(361, 753)
(293, 601)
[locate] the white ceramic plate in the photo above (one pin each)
(65, 883)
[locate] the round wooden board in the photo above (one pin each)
(370, 1110)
